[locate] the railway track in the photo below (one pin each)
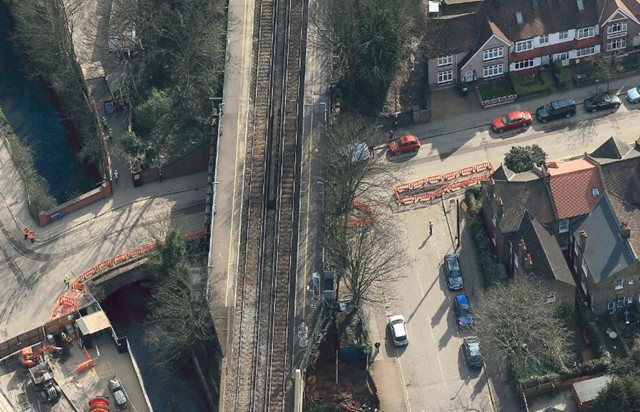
(259, 372)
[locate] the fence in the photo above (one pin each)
(434, 187)
(498, 101)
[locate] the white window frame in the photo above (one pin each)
(629, 300)
(630, 282)
(621, 301)
(445, 76)
(586, 51)
(563, 56)
(617, 44)
(544, 39)
(523, 64)
(619, 284)
(492, 54)
(563, 35)
(563, 226)
(617, 27)
(551, 297)
(585, 33)
(445, 60)
(492, 71)
(611, 306)
(524, 45)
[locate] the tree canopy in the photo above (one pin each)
(523, 158)
(622, 394)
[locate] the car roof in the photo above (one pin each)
(563, 102)
(396, 318)
(474, 345)
(397, 323)
(515, 115)
(462, 299)
(408, 138)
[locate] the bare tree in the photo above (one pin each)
(516, 324)
(608, 66)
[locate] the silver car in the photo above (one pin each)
(633, 95)
(398, 330)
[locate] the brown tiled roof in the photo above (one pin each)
(622, 181)
(633, 6)
(451, 35)
(518, 196)
(551, 16)
(629, 7)
(572, 183)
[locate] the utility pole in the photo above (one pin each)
(458, 221)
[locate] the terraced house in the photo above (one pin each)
(472, 41)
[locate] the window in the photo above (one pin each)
(619, 284)
(586, 51)
(490, 71)
(491, 54)
(524, 45)
(611, 307)
(595, 192)
(551, 297)
(563, 35)
(563, 56)
(619, 27)
(630, 282)
(621, 302)
(445, 77)
(630, 300)
(563, 227)
(544, 39)
(445, 61)
(523, 64)
(616, 44)
(585, 33)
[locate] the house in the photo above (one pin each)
(575, 187)
(607, 268)
(469, 44)
(534, 251)
(585, 392)
(506, 196)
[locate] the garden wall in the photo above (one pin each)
(197, 160)
(60, 211)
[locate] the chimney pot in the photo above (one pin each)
(583, 239)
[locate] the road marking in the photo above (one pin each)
(403, 381)
(235, 168)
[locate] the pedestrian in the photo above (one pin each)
(104, 122)
(116, 175)
(110, 133)
(32, 236)
(430, 228)
(25, 232)
(390, 134)
(67, 281)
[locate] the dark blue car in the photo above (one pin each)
(462, 311)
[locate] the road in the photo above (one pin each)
(431, 370)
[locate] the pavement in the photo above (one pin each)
(32, 274)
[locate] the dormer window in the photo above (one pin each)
(563, 226)
(619, 284)
(595, 191)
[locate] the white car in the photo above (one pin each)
(633, 95)
(398, 330)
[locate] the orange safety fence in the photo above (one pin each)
(368, 211)
(89, 363)
(67, 304)
(471, 175)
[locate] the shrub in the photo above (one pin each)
(560, 74)
(528, 90)
(484, 247)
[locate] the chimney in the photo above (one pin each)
(500, 206)
(491, 186)
(528, 264)
(625, 232)
(583, 239)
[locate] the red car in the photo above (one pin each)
(404, 144)
(511, 120)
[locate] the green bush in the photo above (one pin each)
(528, 90)
(35, 185)
(484, 247)
(560, 74)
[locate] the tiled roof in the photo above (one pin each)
(607, 252)
(518, 196)
(548, 261)
(633, 6)
(550, 16)
(622, 181)
(572, 185)
(451, 35)
(608, 7)
(612, 148)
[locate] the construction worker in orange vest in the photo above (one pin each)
(32, 236)
(25, 232)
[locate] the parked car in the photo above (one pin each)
(471, 352)
(633, 95)
(398, 330)
(356, 151)
(511, 120)
(404, 144)
(462, 310)
(601, 101)
(453, 272)
(555, 109)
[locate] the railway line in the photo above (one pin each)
(259, 371)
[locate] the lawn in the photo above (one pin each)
(614, 346)
(529, 84)
(495, 89)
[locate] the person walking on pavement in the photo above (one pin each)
(430, 228)
(32, 236)
(116, 175)
(25, 232)
(110, 133)
(67, 281)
